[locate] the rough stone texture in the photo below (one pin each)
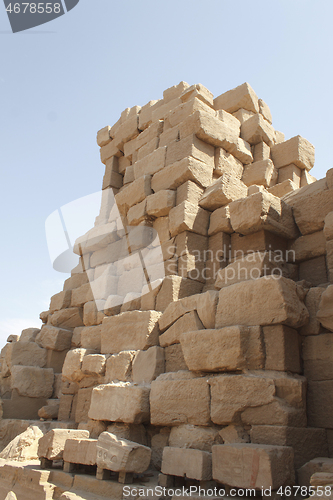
(317, 355)
(253, 466)
(148, 365)
(80, 451)
(256, 129)
(260, 173)
(192, 436)
(32, 381)
(241, 97)
(26, 354)
(54, 338)
(325, 312)
(194, 464)
(187, 323)
(312, 301)
(224, 190)
(296, 150)
(282, 349)
(121, 455)
(188, 169)
(52, 444)
(188, 217)
(320, 403)
(264, 301)
(309, 246)
(119, 367)
(314, 466)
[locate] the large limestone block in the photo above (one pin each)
(224, 190)
(120, 402)
(80, 451)
(145, 115)
(24, 446)
(264, 301)
(253, 466)
(93, 312)
(262, 211)
(285, 187)
(188, 169)
(241, 97)
(261, 173)
(177, 115)
(174, 288)
(256, 129)
(179, 398)
(174, 358)
(189, 191)
(25, 354)
(91, 337)
(71, 317)
(226, 163)
(94, 364)
(318, 356)
(325, 312)
(83, 401)
(190, 146)
(307, 443)
(309, 246)
(103, 136)
(60, 301)
(133, 330)
(261, 241)
(282, 348)
(54, 338)
(148, 365)
(191, 250)
(29, 334)
(193, 464)
(52, 444)
(193, 436)
(189, 322)
(151, 164)
(176, 309)
(313, 271)
(160, 203)
(226, 349)
(133, 193)
(119, 367)
(121, 454)
(199, 91)
(296, 150)
(188, 217)
(72, 369)
(32, 381)
(220, 221)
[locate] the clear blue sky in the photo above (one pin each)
(63, 81)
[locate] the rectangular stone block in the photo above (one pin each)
(188, 169)
(52, 444)
(82, 406)
(309, 246)
(191, 250)
(60, 301)
(227, 349)
(179, 398)
(24, 354)
(261, 173)
(256, 129)
(80, 451)
(121, 455)
(291, 172)
(119, 367)
(103, 136)
(120, 403)
(223, 191)
(32, 381)
(220, 221)
(174, 358)
(188, 217)
(261, 151)
(280, 190)
(174, 288)
(296, 150)
(282, 347)
(253, 466)
(189, 191)
(242, 96)
(57, 339)
(310, 210)
(187, 323)
(160, 203)
(151, 163)
(133, 330)
(91, 337)
(226, 163)
(133, 193)
(261, 241)
(68, 318)
(148, 365)
(264, 301)
(318, 356)
(314, 271)
(192, 464)
(145, 115)
(190, 146)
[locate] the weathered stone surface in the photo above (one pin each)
(72, 369)
(103, 136)
(29, 334)
(296, 150)
(32, 381)
(226, 163)
(94, 364)
(309, 246)
(175, 288)
(188, 217)
(71, 317)
(234, 434)
(93, 312)
(192, 436)
(241, 97)
(307, 443)
(120, 402)
(133, 330)
(261, 173)
(190, 146)
(50, 411)
(264, 301)
(121, 455)
(316, 465)
(256, 129)
(179, 398)
(24, 446)
(187, 323)
(91, 337)
(57, 339)
(290, 172)
(328, 228)
(262, 211)
(317, 355)
(253, 466)
(224, 190)
(282, 348)
(189, 191)
(220, 221)
(150, 164)
(52, 444)
(194, 464)
(285, 187)
(119, 367)
(174, 358)
(312, 301)
(227, 349)
(25, 354)
(60, 301)
(148, 365)
(160, 203)
(133, 193)
(325, 312)
(80, 451)
(311, 208)
(188, 169)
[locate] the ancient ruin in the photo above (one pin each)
(192, 345)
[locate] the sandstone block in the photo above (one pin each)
(234, 434)
(179, 114)
(313, 271)
(121, 455)
(119, 367)
(282, 347)
(94, 364)
(242, 114)
(261, 241)
(145, 115)
(188, 169)
(32, 381)
(246, 304)
(227, 349)
(309, 246)
(220, 221)
(242, 151)
(133, 193)
(191, 251)
(93, 312)
(280, 190)
(54, 338)
(137, 213)
(179, 399)
(72, 369)
(223, 191)
(151, 164)
(103, 136)
(148, 365)
(192, 436)
(261, 173)
(91, 337)
(325, 312)
(256, 129)
(60, 301)
(312, 301)
(198, 91)
(189, 191)
(241, 97)
(188, 217)
(174, 288)
(175, 91)
(52, 444)
(226, 163)
(190, 146)
(262, 211)
(307, 443)
(174, 358)
(296, 150)
(136, 330)
(328, 228)
(317, 465)
(253, 466)
(120, 403)
(318, 356)
(265, 111)
(80, 451)
(82, 405)
(25, 354)
(187, 323)
(193, 464)
(80, 296)
(160, 203)
(291, 172)
(29, 334)
(69, 318)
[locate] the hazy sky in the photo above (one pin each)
(63, 81)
